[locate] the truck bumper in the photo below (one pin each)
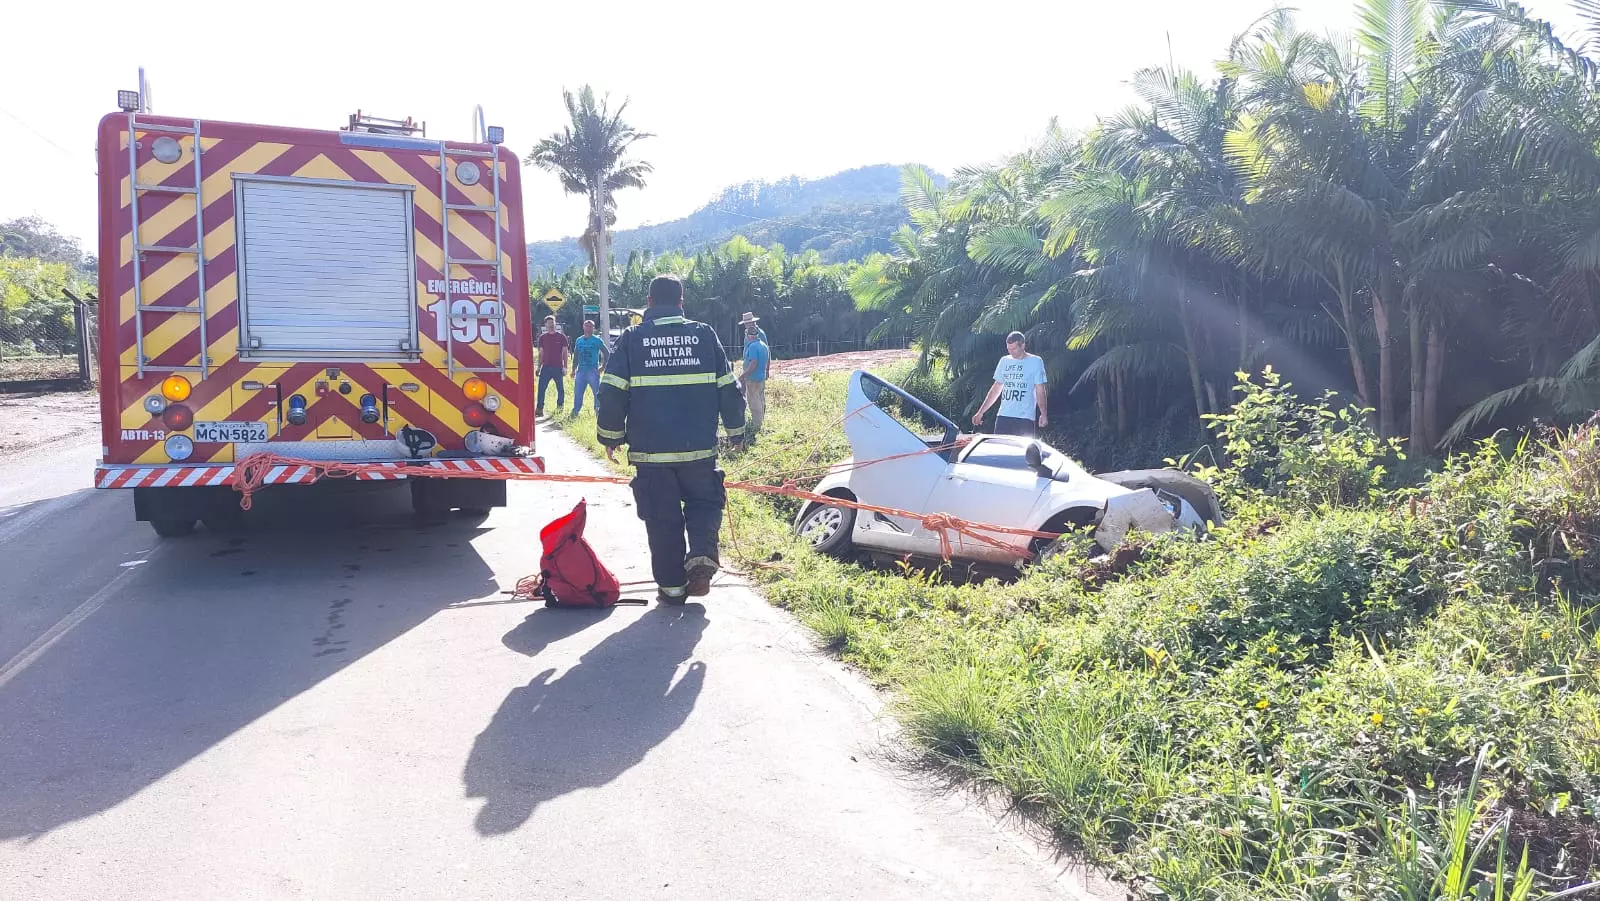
(116, 475)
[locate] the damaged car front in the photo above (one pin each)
(907, 457)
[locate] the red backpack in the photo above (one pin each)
(570, 573)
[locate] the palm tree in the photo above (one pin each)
(590, 156)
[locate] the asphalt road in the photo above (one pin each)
(335, 702)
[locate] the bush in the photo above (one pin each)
(1312, 455)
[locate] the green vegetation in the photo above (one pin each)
(38, 267)
(801, 300)
(1407, 216)
(1353, 690)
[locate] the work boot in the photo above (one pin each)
(701, 571)
(670, 596)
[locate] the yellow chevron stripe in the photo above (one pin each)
(154, 171)
(223, 346)
(164, 334)
(433, 350)
(320, 166)
(218, 183)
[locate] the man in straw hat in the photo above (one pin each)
(757, 358)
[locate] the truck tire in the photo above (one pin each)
(172, 528)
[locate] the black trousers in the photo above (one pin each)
(676, 501)
(1015, 425)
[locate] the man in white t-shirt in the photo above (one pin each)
(1019, 385)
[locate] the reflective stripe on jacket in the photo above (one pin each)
(666, 384)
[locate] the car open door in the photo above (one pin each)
(879, 422)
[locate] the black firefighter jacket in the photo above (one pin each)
(666, 383)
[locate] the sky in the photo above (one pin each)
(731, 91)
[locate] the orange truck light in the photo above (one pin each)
(176, 388)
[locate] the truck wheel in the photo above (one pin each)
(427, 504)
(172, 528)
(827, 529)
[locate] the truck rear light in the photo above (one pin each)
(491, 403)
(297, 409)
(177, 418)
(178, 448)
(176, 388)
(475, 388)
(475, 415)
(369, 409)
(154, 404)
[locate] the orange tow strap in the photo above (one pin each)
(251, 472)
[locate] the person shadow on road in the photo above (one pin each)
(595, 722)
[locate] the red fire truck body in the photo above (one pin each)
(356, 295)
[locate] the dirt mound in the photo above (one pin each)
(806, 367)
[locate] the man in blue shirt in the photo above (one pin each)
(588, 356)
(1019, 385)
(757, 356)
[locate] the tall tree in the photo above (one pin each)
(590, 156)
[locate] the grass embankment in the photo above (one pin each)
(1350, 691)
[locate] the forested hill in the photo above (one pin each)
(843, 217)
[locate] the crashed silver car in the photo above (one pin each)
(996, 479)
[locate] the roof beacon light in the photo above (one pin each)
(297, 409)
(369, 409)
(475, 388)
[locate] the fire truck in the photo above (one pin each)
(356, 295)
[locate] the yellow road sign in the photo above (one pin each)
(553, 299)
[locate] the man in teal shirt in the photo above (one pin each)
(588, 356)
(756, 358)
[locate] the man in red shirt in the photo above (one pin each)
(552, 363)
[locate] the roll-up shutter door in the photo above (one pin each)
(328, 271)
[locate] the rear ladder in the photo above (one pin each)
(135, 188)
(498, 317)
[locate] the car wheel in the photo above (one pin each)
(1047, 548)
(827, 528)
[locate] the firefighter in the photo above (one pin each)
(666, 384)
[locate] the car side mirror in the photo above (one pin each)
(1035, 458)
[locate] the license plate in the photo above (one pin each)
(230, 432)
